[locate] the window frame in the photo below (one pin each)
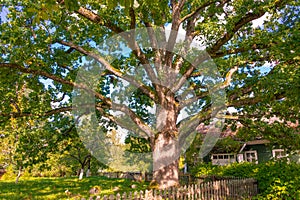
(251, 158)
(219, 158)
(281, 151)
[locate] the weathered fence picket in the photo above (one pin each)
(212, 190)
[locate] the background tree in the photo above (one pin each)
(46, 42)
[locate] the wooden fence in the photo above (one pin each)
(185, 179)
(213, 190)
(136, 176)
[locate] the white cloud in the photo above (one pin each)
(232, 110)
(260, 21)
(196, 43)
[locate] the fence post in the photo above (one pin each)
(233, 182)
(124, 196)
(204, 190)
(135, 196)
(173, 192)
(148, 194)
(183, 192)
(211, 190)
(118, 196)
(195, 191)
(141, 196)
(168, 192)
(178, 193)
(130, 196)
(192, 192)
(164, 193)
(218, 187)
(160, 194)
(215, 189)
(154, 194)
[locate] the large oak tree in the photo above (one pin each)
(45, 43)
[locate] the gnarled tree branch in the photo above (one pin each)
(129, 37)
(230, 33)
(146, 90)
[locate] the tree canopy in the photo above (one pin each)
(45, 45)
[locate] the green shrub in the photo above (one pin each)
(9, 173)
(279, 180)
(242, 170)
(276, 179)
(206, 169)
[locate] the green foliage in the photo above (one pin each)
(226, 145)
(243, 170)
(137, 144)
(276, 179)
(206, 169)
(54, 166)
(44, 43)
(279, 180)
(10, 173)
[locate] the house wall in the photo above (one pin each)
(264, 152)
(296, 157)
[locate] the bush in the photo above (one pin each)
(206, 169)
(9, 173)
(279, 180)
(276, 179)
(242, 170)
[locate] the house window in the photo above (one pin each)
(223, 159)
(279, 153)
(240, 157)
(251, 156)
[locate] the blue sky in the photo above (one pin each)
(3, 14)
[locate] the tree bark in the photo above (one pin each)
(165, 161)
(165, 148)
(81, 173)
(88, 172)
(19, 174)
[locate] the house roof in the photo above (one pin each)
(255, 142)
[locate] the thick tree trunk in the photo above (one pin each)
(167, 176)
(165, 161)
(165, 148)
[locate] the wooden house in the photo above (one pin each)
(256, 151)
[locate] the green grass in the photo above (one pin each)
(54, 188)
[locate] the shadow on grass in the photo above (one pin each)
(54, 188)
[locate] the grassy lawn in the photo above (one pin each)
(54, 188)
